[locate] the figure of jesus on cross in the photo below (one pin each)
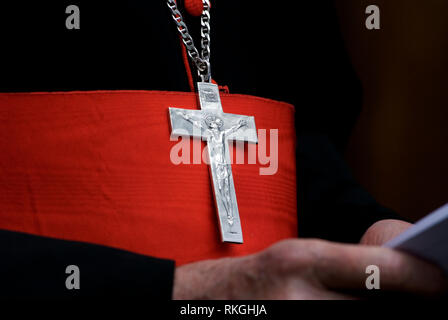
(217, 128)
(216, 140)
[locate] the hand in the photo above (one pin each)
(382, 231)
(242, 123)
(182, 114)
(305, 269)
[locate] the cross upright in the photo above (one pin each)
(217, 128)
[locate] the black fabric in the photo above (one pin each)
(332, 205)
(35, 267)
(293, 53)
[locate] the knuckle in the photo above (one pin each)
(291, 255)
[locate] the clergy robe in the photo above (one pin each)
(268, 50)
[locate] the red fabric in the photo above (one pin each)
(95, 167)
(187, 64)
(194, 7)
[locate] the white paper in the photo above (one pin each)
(427, 239)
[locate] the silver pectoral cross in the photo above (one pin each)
(217, 128)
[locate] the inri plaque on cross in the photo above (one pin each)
(217, 128)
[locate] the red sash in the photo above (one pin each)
(95, 167)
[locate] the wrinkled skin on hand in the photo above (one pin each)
(311, 269)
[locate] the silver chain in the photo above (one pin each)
(202, 61)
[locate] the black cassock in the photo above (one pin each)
(278, 50)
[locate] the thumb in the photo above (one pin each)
(383, 231)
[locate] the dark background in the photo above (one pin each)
(399, 149)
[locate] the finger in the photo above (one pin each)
(383, 231)
(344, 267)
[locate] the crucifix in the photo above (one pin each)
(217, 128)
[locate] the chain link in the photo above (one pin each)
(202, 61)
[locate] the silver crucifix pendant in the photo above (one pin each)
(217, 128)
